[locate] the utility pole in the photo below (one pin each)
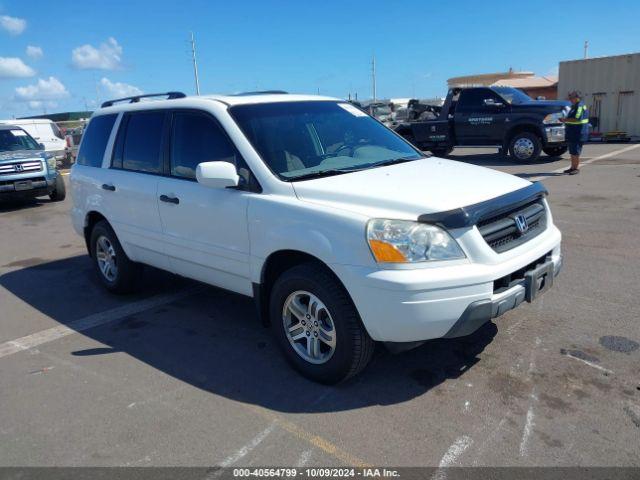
(586, 49)
(195, 64)
(373, 76)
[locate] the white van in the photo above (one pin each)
(44, 131)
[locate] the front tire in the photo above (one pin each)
(441, 152)
(60, 191)
(525, 147)
(116, 272)
(317, 326)
(555, 151)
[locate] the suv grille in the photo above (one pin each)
(20, 167)
(501, 231)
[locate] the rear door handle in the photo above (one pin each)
(165, 198)
(106, 186)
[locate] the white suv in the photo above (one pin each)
(342, 232)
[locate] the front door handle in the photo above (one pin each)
(106, 186)
(166, 198)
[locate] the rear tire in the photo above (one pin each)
(60, 191)
(525, 147)
(555, 151)
(318, 298)
(116, 272)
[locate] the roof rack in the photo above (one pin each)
(136, 98)
(260, 92)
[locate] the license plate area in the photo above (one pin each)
(538, 281)
(23, 185)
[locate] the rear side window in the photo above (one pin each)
(197, 138)
(140, 142)
(95, 140)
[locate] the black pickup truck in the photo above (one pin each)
(492, 116)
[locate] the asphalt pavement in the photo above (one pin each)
(183, 374)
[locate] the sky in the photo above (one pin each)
(68, 56)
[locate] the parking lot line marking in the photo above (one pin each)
(452, 454)
(314, 440)
(591, 160)
(591, 364)
(528, 426)
(304, 458)
(64, 173)
(45, 336)
(255, 441)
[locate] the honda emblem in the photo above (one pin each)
(521, 224)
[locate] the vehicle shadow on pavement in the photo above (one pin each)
(15, 205)
(494, 160)
(214, 341)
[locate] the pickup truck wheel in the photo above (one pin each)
(441, 152)
(60, 191)
(525, 147)
(116, 272)
(555, 151)
(317, 326)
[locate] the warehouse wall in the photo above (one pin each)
(610, 84)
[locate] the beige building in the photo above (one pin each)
(528, 82)
(611, 89)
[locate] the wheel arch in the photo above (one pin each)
(520, 128)
(275, 265)
(90, 220)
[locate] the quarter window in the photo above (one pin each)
(198, 138)
(95, 140)
(142, 146)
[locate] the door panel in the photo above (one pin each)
(206, 234)
(477, 123)
(205, 229)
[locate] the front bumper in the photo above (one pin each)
(555, 134)
(421, 304)
(38, 186)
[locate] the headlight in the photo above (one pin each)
(403, 241)
(553, 118)
(51, 163)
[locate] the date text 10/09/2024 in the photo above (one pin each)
(315, 472)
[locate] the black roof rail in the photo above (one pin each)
(260, 92)
(136, 98)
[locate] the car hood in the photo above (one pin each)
(408, 190)
(546, 105)
(20, 155)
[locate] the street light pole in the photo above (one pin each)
(195, 63)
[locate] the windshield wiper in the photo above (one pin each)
(392, 161)
(319, 174)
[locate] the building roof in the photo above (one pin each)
(486, 78)
(528, 82)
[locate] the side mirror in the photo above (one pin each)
(217, 174)
(42, 147)
(490, 102)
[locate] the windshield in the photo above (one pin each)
(17, 139)
(297, 139)
(512, 95)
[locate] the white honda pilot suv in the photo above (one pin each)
(342, 232)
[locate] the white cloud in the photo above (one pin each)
(34, 52)
(11, 67)
(39, 104)
(118, 89)
(45, 89)
(107, 56)
(13, 25)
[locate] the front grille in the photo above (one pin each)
(501, 232)
(20, 167)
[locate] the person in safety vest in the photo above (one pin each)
(576, 130)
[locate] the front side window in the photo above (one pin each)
(142, 142)
(95, 140)
(15, 139)
(300, 139)
(513, 95)
(197, 138)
